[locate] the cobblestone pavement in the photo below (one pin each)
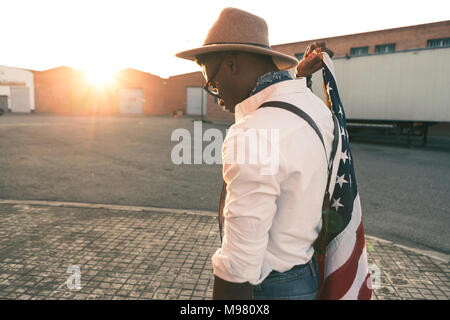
(145, 254)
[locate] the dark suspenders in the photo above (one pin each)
(307, 118)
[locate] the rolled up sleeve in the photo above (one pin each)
(250, 206)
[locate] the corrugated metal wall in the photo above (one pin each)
(411, 86)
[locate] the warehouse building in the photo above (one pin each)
(65, 90)
(16, 89)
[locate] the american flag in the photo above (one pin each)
(343, 259)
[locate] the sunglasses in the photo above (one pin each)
(209, 86)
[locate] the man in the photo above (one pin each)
(271, 219)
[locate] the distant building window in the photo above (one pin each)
(438, 43)
(299, 56)
(385, 48)
(361, 51)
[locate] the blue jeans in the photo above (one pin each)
(299, 283)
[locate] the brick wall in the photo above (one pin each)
(405, 38)
(153, 89)
(52, 91)
(175, 91)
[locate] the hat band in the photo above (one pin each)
(248, 44)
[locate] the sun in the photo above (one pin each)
(100, 77)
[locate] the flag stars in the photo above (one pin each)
(336, 204)
(340, 180)
(343, 133)
(329, 88)
(344, 156)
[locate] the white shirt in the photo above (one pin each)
(272, 219)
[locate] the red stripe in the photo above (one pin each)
(365, 293)
(339, 282)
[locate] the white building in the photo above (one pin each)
(16, 89)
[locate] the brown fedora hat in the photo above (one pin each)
(238, 30)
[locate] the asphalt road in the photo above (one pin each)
(127, 160)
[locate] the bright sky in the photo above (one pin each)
(111, 35)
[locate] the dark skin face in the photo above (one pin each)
(234, 74)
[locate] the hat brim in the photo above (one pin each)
(281, 60)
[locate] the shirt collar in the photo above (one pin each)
(267, 93)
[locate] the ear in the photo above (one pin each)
(231, 62)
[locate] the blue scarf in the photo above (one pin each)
(269, 79)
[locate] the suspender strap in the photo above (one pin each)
(307, 118)
(223, 194)
(297, 111)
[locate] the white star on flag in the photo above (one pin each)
(340, 180)
(343, 132)
(329, 88)
(340, 111)
(336, 204)
(344, 156)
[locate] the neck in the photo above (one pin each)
(252, 66)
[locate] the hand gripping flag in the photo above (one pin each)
(341, 247)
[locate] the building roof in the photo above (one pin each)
(424, 25)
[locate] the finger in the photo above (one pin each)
(314, 58)
(313, 46)
(324, 48)
(308, 51)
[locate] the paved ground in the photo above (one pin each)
(149, 253)
(127, 160)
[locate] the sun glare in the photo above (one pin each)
(100, 77)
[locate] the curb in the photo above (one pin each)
(428, 253)
(107, 206)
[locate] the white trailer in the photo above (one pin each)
(406, 90)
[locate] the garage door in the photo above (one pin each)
(3, 104)
(196, 101)
(130, 101)
(20, 99)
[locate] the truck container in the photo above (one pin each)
(404, 92)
